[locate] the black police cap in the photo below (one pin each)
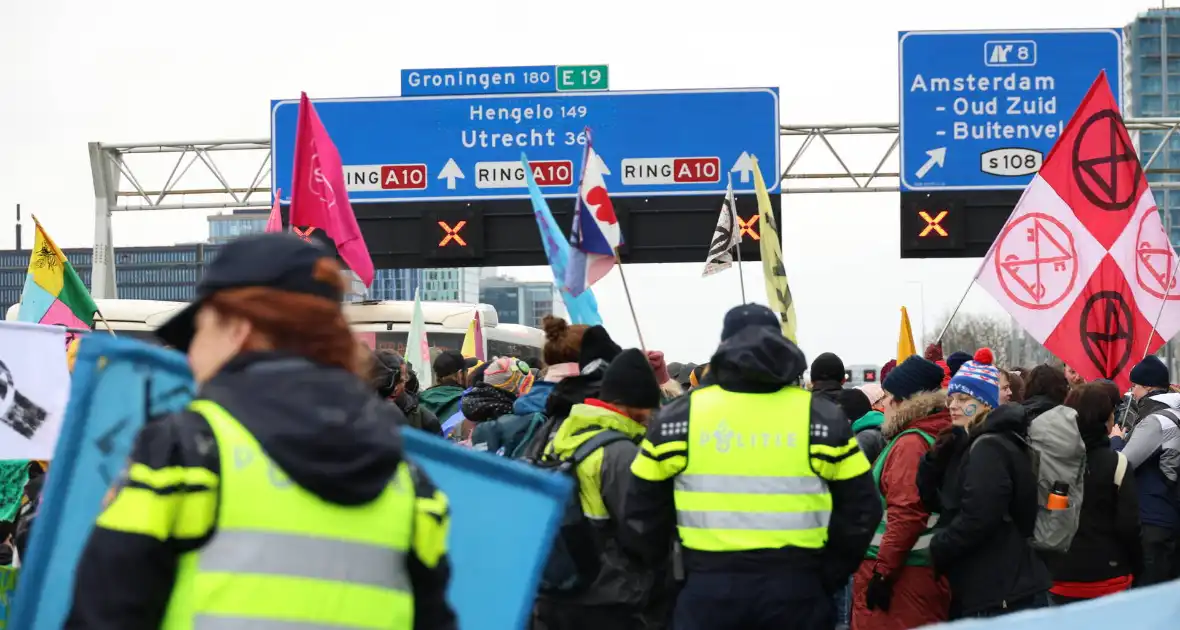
(279, 261)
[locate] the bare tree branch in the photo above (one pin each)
(1010, 345)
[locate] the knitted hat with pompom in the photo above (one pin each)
(978, 379)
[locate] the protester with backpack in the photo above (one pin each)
(1152, 449)
(1105, 555)
(595, 351)
(896, 587)
(501, 381)
(613, 423)
(980, 479)
(499, 426)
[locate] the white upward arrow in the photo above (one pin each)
(451, 172)
(937, 157)
(743, 166)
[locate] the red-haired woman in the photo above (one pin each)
(281, 495)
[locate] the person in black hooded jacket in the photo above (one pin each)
(979, 479)
(1105, 555)
(755, 587)
(391, 379)
(280, 384)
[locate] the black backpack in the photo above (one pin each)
(574, 561)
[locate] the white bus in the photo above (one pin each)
(446, 325)
(388, 322)
(133, 318)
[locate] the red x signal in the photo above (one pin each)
(452, 234)
(748, 227)
(304, 234)
(932, 224)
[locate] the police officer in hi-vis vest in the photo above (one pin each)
(280, 499)
(772, 500)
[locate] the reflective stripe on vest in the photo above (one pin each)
(919, 554)
(284, 559)
(749, 483)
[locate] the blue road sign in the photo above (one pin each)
(468, 148)
(457, 81)
(980, 110)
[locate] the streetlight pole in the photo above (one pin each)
(921, 306)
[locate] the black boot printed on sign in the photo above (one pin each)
(16, 411)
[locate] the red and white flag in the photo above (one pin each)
(318, 196)
(1083, 263)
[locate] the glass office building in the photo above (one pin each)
(141, 273)
(226, 227)
(519, 302)
(1152, 66)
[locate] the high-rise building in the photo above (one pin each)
(518, 302)
(437, 285)
(226, 227)
(395, 284)
(1152, 64)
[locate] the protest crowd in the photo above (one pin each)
(805, 503)
(756, 490)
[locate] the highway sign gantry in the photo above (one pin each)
(433, 148)
(980, 110)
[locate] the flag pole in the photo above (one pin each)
(978, 271)
(1158, 317)
(731, 201)
(630, 304)
(741, 275)
(1163, 304)
(104, 321)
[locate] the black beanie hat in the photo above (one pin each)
(827, 367)
(597, 344)
(741, 317)
(854, 403)
(956, 361)
(912, 376)
(1151, 372)
(630, 381)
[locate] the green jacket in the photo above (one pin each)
(442, 401)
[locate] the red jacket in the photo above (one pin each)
(919, 597)
(907, 517)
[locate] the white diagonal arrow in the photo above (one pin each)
(744, 166)
(937, 157)
(451, 172)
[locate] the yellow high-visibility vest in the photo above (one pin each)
(281, 557)
(749, 482)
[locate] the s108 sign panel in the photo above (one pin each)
(464, 148)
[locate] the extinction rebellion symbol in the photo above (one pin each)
(1107, 332)
(1099, 150)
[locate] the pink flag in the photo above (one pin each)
(319, 198)
(274, 223)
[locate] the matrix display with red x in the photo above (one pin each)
(953, 224)
(453, 233)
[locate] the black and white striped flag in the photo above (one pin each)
(726, 237)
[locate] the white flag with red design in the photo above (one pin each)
(1083, 262)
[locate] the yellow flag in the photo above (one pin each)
(473, 340)
(905, 339)
(778, 292)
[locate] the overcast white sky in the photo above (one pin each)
(144, 71)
